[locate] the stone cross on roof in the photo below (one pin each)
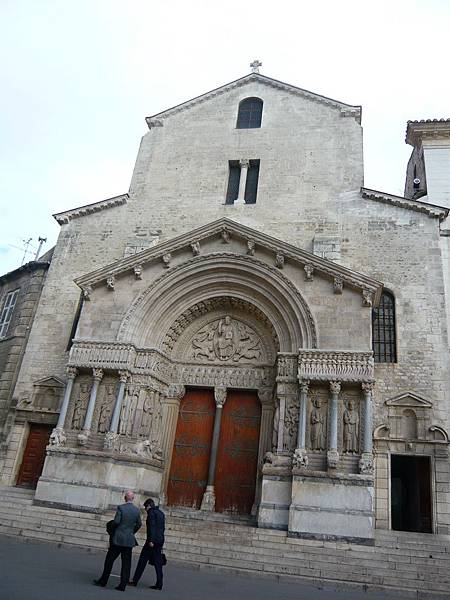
(255, 66)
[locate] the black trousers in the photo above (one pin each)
(113, 552)
(155, 553)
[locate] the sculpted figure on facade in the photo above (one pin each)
(226, 340)
(351, 426)
(80, 406)
(317, 422)
(291, 423)
(128, 412)
(106, 407)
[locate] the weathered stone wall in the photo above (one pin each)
(310, 174)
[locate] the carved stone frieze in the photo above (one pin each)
(318, 365)
(366, 464)
(300, 459)
(287, 367)
(226, 340)
(58, 437)
(228, 376)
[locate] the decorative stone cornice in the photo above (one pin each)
(431, 210)
(346, 110)
(64, 217)
(330, 365)
(226, 228)
(416, 131)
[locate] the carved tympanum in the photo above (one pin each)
(226, 339)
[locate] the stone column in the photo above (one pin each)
(281, 415)
(209, 497)
(333, 454)
(170, 408)
(111, 435)
(83, 437)
(244, 163)
(366, 462)
(300, 458)
(58, 436)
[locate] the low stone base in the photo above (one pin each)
(276, 491)
(332, 506)
(93, 480)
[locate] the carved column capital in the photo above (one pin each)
(72, 372)
(220, 396)
(123, 376)
(265, 396)
(304, 385)
(97, 374)
(176, 391)
(368, 386)
(244, 163)
(335, 387)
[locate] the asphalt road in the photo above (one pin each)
(41, 571)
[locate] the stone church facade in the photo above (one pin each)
(249, 329)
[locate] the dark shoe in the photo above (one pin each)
(99, 583)
(133, 583)
(156, 587)
(120, 588)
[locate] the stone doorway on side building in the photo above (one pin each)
(237, 454)
(411, 493)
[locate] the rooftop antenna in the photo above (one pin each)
(41, 241)
(26, 251)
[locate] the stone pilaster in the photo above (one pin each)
(333, 454)
(83, 437)
(58, 436)
(170, 408)
(209, 497)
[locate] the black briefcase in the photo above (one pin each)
(110, 527)
(151, 560)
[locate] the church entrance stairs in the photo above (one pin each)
(418, 564)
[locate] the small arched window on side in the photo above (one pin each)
(250, 113)
(383, 330)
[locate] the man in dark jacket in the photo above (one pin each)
(127, 521)
(152, 549)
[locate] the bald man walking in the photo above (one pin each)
(127, 521)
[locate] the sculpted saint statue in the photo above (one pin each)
(351, 422)
(317, 422)
(80, 406)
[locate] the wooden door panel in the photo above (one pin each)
(34, 455)
(237, 456)
(190, 459)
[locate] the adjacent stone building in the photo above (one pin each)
(249, 329)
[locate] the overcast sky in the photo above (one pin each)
(78, 77)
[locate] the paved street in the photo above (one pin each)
(41, 571)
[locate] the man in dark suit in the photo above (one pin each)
(152, 549)
(127, 521)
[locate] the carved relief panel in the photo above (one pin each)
(350, 421)
(105, 404)
(316, 424)
(80, 399)
(226, 340)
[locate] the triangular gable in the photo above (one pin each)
(347, 110)
(49, 382)
(225, 226)
(409, 400)
(432, 210)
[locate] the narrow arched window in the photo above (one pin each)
(383, 330)
(250, 113)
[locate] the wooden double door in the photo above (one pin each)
(237, 456)
(34, 455)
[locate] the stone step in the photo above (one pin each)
(397, 561)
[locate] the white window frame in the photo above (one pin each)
(7, 311)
